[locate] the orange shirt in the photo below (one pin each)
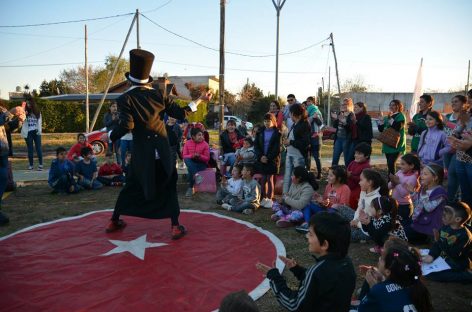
(338, 196)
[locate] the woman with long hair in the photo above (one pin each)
(31, 131)
(342, 122)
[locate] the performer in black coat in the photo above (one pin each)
(151, 182)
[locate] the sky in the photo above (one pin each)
(381, 42)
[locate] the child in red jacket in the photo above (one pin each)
(361, 161)
(110, 173)
(196, 156)
(74, 152)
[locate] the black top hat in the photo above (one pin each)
(140, 62)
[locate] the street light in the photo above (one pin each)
(278, 7)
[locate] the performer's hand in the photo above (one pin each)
(290, 263)
(263, 268)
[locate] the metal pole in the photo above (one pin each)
(138, 46)
(329, 96)
(278, 7)
(222, 64)
(112, 75)
(468, 79)
(335, 62)
(87, 111)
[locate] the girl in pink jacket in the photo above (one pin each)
(196, 156)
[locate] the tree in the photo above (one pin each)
(249, 94)
(356, 84)
(53, 87)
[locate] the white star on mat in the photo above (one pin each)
(136, 247)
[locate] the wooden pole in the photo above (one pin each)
(111, 76)
(222, 64)
(335, 62)
(329, 96)
(138, 46)
(468, 79)
(87, 108)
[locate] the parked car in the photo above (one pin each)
(328, 133)
(95, 138)
(238, 121)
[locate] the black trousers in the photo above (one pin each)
(391, 162)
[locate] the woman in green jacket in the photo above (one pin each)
(395, 120)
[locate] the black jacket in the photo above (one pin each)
(364, 129)
(302, 135)
(326, 286)
(225, 142)
(273, 153)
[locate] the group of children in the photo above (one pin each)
(77, 169)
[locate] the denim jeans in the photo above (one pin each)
(228, 160)
(315, 151)
(89, 184)
(114, 147)
(64, 183)
(349, 151)
(193, 167)
(452, 178)
(125, 145)
(3, 175)
(464, 175)
(290, 163)
(239, 205)
(338, 149)
(34, 137)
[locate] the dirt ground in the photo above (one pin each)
(35, 204)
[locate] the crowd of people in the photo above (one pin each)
(409, 206)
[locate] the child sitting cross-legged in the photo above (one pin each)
(231, 188)
(196, 155)
(74, 153)
(335, 196)
(383, 223)
(326, 285)
(288, 209)
(110, 173)
(249, 197)
(396, 284)
(86, 171)
(61, 174)
(454, 244)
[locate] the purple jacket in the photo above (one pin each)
(433, 145)
(427, 221)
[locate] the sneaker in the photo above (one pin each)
(376, 249)
(268, 203)
(178, 231)
(226, 207)
(302, 228)
(40, 168)
(274, 217)
(284, 223)
(263, 202)
(114, 226)
(248, 211)
(30, 168)
(189, 192)
(219, 202)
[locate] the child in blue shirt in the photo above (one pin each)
(61, 174)
(86, 171)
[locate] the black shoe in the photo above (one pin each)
(219, 202)
(4, 220)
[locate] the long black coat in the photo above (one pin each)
(150, 189)
(273, 153)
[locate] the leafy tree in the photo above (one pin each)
(53, 87)
(356, 84)
(249, 94)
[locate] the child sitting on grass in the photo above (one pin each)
(110, 173)
(288, 209)
(75, 150)
(86, 171)
(249, 197)
(396, 284)
(454, 244)
(327, 285)
(383, 223)
(361, 161)
(61, 173)
(230, 188)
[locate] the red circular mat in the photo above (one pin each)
(72, 265)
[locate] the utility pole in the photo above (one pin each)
(468, 79)
(222, 64)
(87, 111)
(329, 97)
(138, 46)
(278, 7)
(335, 62)
(110, 79)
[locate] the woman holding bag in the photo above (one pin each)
(396, 121)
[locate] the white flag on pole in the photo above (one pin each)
(417, 92)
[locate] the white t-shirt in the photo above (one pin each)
(234, 186)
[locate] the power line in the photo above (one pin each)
(159, 7)
(52, 64)
(229, 52)
(67, 22)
